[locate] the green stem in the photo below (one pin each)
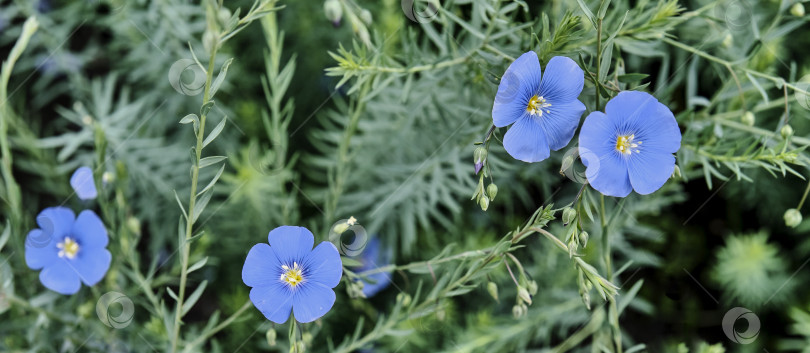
(195, 172)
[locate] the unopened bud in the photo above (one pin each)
(748, 118)
(676, 173)
(793, 217)
(334, 11)
(524, 295)
(586, 299)
(224, 16)
(492, 190)
(518, 311)
(728, 40)
(583, 238)
(404, 298)
(797, 10)
(271, 337)
(787, 131)
(365, 15)
(209, 40)
(479, 155)
(483, 202)
(306, 337)
(569, 214)
(567, 162)
(441, 315)
(492, 288)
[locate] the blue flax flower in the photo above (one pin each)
(374, 257)
(82, 182)
(289, 275)
(69, 250)
(544, 113)
(630, 146)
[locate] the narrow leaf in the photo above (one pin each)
(192, 299)
(214, 133)
(221, 77)
(213, 181)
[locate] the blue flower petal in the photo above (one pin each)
(323, 265)
(519, 83)
(60, 277)
(91, 264)
(649, 171)
(653, 124)
(274, 301)
(82, 182)
(40, 249)
(606, 169)
(262, 267)
(291, 244)
(526, 141)
(89, 231)
(312, 300)
(561, 122)
(56, 222)
(562, 80)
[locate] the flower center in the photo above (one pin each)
(536, 105)
(68, 248)
(626, 144)
(293, 276)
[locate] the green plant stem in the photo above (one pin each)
(804, 197)
(195, 173)
(598, 59)
(775, 79)
(205, 335)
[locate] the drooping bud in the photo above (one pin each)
(583, 238)
(492, 190)
(793, 217)
(365, 15)
(479, 156)
(787, 131)
(524, 295)
(492, 288)
(797, 10)
(518, 311)
(748, 118)
(271, 337)
(728, 40)
(676, 173)
(483, 202)
(334, 11)
(569, 214)
(567, 162)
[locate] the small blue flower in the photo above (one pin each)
(82, 182)
(630, 146)
(69, 250)
(374, 257)
(544, 113)
(289, 275)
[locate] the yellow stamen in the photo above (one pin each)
(293, 276)
(626, 144)
(536, 105)
(68, 248)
